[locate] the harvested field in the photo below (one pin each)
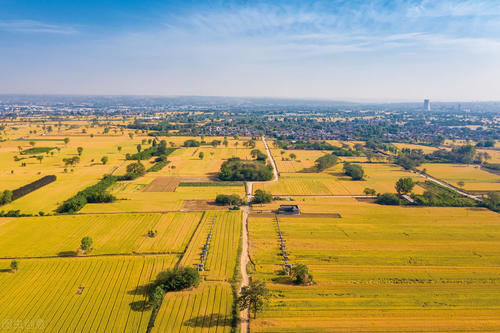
(201, 205)
(163, 184)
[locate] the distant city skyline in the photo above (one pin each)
(335, 50)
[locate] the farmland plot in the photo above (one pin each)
(380, 177)
(133, 199)
(404, 269)
(222, 253)
(80, 294)
(61, 235)
(473, 177)
(206, 308)
(87, 172)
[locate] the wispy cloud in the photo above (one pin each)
(370, 26)
(30, 26)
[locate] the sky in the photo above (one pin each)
(402, 50)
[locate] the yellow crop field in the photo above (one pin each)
(87, 172)
(473, 177)
(304, 159)
(380, 177)
(425, 149)
(61, 235)
(377, 269)
(207, 309)
(132, 197)
(79, 294)
(493, 153)
(223, 246)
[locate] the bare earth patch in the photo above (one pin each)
(169, 184)
(163, 184)
(200, 205)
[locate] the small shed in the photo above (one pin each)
(289, 209)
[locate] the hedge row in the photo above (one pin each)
(92, 194)
(158, 166)
(203, 184)
(26, 189)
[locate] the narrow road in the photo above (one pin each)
(245, 315)
(275, 169)
(448, 186)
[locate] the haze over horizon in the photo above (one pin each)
(339, 50)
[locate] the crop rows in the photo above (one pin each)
(380, 270)
(207, 309)
(174, 232)
(221, 258)
(56, 235)
(82, 295)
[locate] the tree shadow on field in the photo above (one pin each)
(141, 290)
(212, 320)
(340, 175)
(6, 270)
(312, 169)
(140, 306)
(67, 254)
(284, 279)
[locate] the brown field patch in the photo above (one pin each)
(200, 205)
(163, 184)
(169, 184)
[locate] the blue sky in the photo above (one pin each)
(352, 50)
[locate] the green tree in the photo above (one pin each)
(178, 279)
(201, 155)
(32, 143)
(300, 274)
(254, 297)
(404, 185)
(14, 265)
(492, 201)
(135, 170)
(139, 148)
(86, 243)
(325, 162)
(388, 199)
(66, 141)
(39, 158)
(369, 191)
(156, 297)
(119, 148)
(355, 171)
(79, 150)
(293, 156)
(261, 196)
(104, 160)
(6, 197)
(232, 199)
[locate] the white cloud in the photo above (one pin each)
(30, 26)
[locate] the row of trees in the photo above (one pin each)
(260, 196)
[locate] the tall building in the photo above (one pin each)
(427, 105)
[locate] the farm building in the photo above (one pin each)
(289, 209)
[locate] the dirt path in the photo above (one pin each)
(445, 184)
(244, 315)
(275, 169)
